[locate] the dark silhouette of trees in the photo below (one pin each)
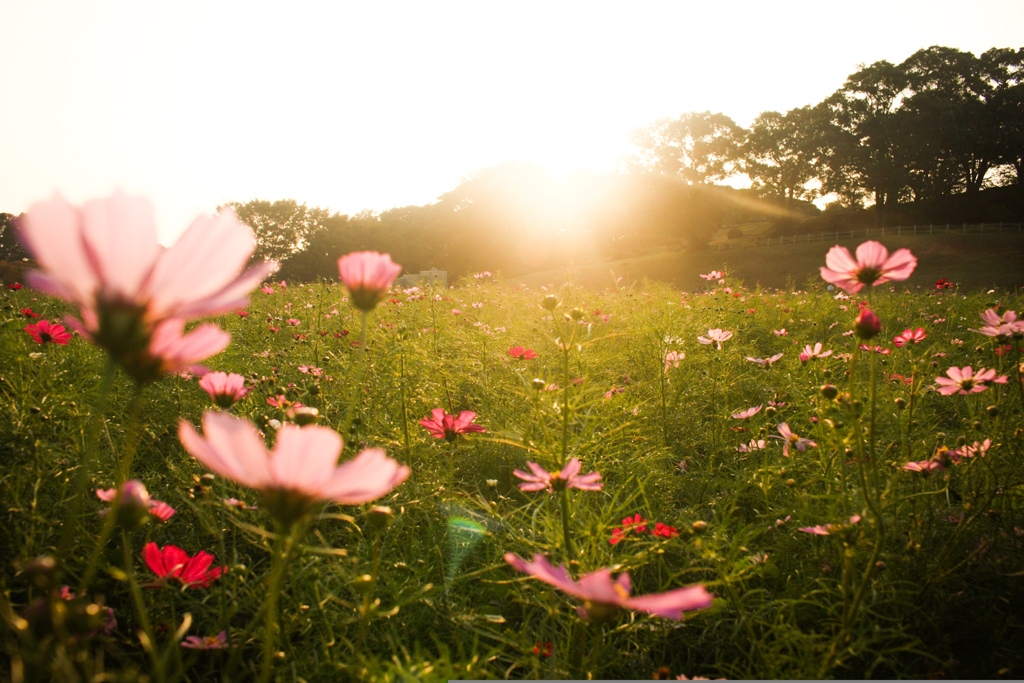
(282, 227)
(698, 147)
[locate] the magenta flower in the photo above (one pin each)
(441, 425)
(519, 353)
(829, 529)
(367, 275)
(873, 266)
(966, 381)
(45, 332)
(965, 451)
(602, 595)
(301, 470)
(225, 389)
(754, 445)
(923, 466)
(713, 275)
(910, 337)
(134, 503)
(673, 358)
(217, 642)
(569, 478)
(791, 439)
(170, 351)
(1001, 326)
(105, 259)
(815, 352)
(715, 335)
(765, 362)
(749, 412)
(174, 563)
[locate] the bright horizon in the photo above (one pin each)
(380, 105)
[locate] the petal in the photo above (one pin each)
(366, 477)
(871, 254)
(232, 448)
(673, 603)
(898, 267)
(121, 243)
(304, 458)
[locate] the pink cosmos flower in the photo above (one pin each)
(519, 353)
(815, 352)
(966, 381)
(174, 563)
(225, 389)
(602, 595)
(764, 362)
(217, 642)
(673, 358)
(754, 445)
(780, 333)
(170, 351)
(828, 529)
(910, 337)
(441, 425)
(45, 332)
(105, 258)
(873, 266)
(569, 478)
(134, 501)
(877, 349)
(301, 470)
(367, 275)
(923, 466)
(975, 449)
(749, 412)
(713, 275)
(792, 439)
(715, 335)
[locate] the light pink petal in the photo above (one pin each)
(205, 260)
(571, 469)
(232, 448)
(304, 458)
(672, 604)
(121, 243)
(898, 267)
(366, 477)
(541, 569)
(598, 586)
(871, 254)
(51, 231)
(588, 482)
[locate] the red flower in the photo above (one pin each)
(174, 563)
(44, 331)
(441, 425)
(519, 353)
(910, 337)
(15, 286)
(546, 651)
(28, 313)
(943, 283)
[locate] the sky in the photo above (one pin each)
(376, 104)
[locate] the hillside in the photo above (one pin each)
(972, 261)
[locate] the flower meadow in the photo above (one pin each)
(208, 474)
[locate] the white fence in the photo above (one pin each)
(868, 233)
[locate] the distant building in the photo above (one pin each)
(425, 278)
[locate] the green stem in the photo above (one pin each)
(133, 435)
(73, 521)
(354, 394)
(364, 612)
(569, 554)
(405, 406)
(140, 606)
(279, 560)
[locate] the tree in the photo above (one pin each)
(1004, 67)
(698, 147)
(858, 146)
(282, 228)
(779, 156)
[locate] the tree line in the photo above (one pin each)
(942, 122)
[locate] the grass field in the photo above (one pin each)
(846, 518)
(972, 261)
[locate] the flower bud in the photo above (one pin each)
(379, 517)
(699, 527)
(549, 302)
(304, 416)
(576, 314)
(538, 384)
(901, 403)
(867, 324)
(992, 411)
(829, 391)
